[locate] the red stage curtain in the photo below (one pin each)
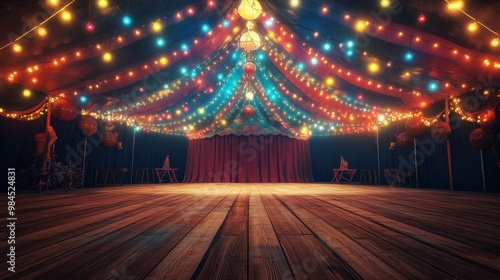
(248, 159)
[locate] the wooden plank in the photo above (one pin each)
(373, 238)
(288, 231)
(310, 260)
(61, 258)
(185, 257)
(460, 229)
(283, 221)
(139, 255)
(424, 246)
(366, 264)
(266, 257)
(228, 257)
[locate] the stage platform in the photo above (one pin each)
(255, 231)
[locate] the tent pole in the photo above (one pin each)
(378, 157)
(448, 145)
(46, 152)
(415, 159)
(482, 170)
(132, 161)
(84, 162)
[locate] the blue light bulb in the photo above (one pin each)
(433, 86)
(126, 20)
(408, 56)
(205, 28)
(160, 42)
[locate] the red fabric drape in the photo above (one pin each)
(248, 159)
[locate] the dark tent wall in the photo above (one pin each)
(359, 150)
(17, 148)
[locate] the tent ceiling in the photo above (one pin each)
(187, 78)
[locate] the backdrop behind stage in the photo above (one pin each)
(248, 159)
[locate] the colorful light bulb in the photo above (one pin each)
(126, 20)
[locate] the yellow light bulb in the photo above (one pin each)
(163, 61)
(26, 93)
(385, 3)
(472, 27)
(42, 32)
(102, 4)
(360, 26)
(66, 16)
(53, 3)
(156, 26)
(17, 48)
(107, 57)
(455, 5)
(495, 42)
(329, 81)
(294, 3)
(373, 67)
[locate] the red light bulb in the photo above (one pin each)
(421, 18)
(89, 26)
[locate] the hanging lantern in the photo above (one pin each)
(63, 110)
(249, 95)
(87, 125)
(414, 127)
(404, 140)
(248, 110)
(480, 139)
(440, 131)
(249, 68)
(108, 139)
(250, 40)
(249, 9)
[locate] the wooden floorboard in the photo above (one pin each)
(255, 231)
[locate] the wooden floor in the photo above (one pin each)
(255, 231)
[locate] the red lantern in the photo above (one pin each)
(108, 139)
(87, 125)
(480, 139)
(404, 140)
(440, 131)
(248, 110)
(249, 68)
(63, 110)
(414, 127)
